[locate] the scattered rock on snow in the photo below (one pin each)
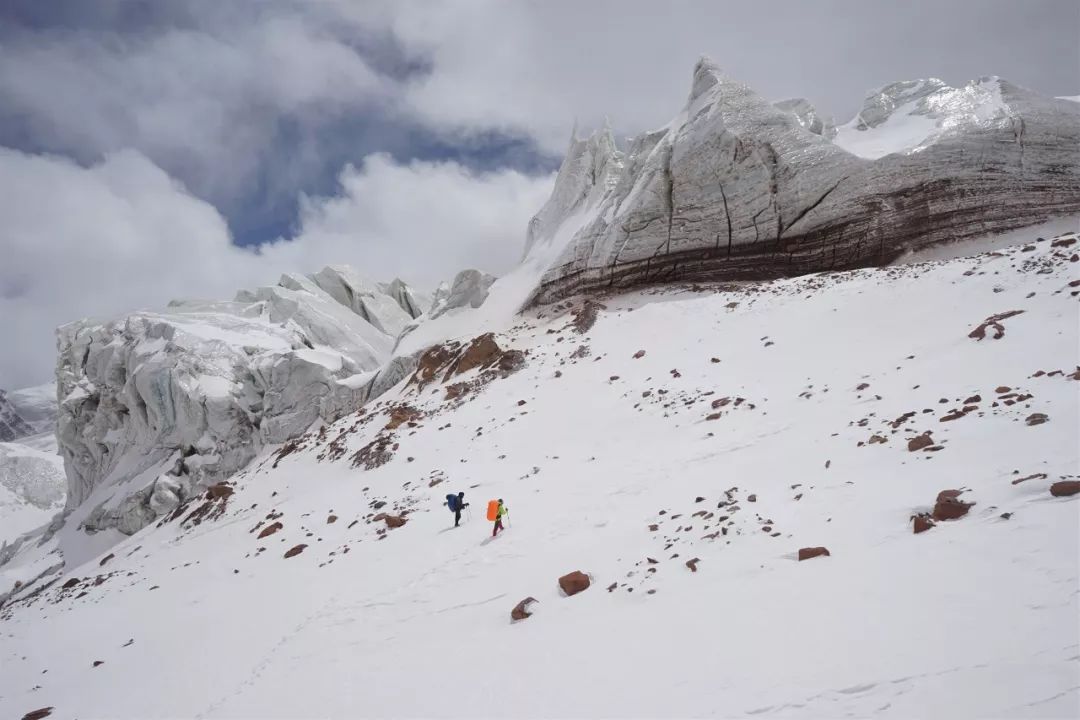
(38, 714)
(573, 583)
(521, 610)
(1037, 419)
(219, 491)
(295, 550)
(692, 564)
(920, 442)
(812, 552)
(270, 530)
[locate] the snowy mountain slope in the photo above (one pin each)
(36, 405)
(760, 418)
(737, 188)
(12, 425)
(32, 480)
(32, 488)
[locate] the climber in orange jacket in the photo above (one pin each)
(500, 510)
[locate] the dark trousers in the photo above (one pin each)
(498, 527)
(457, 517)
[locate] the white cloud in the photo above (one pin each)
(203, 102)
(122, 235)
(421, 221)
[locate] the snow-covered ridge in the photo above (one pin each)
(736, 187)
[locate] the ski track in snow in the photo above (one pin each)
(976, 617)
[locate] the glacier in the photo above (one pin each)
(155, 406)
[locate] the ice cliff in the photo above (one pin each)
(736, 187)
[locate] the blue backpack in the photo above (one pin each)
(451, 502)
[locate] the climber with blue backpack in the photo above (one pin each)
(456, 503)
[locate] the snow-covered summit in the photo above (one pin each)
(906, 115)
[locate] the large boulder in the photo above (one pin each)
(807, 553)
(1065, 488)
(949, 506)
(575, 582)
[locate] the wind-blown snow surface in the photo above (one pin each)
(976, 617)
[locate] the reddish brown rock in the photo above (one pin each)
(521, 610)
(270, 530)
(573, 583)
(403, 414)
(38, 714)
(1037, 419)
(331, 520)
(949, 506)
(1065, 488)
(692, 564)
(639, 354)
(994, 321)
(812, 552)
(394, 521)
(920, 442)
(922, 524)
(1036, 476)
(219, 491)
(1002, 389)
(295, 550)
(751, 498)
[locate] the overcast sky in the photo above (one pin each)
(155, 150)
